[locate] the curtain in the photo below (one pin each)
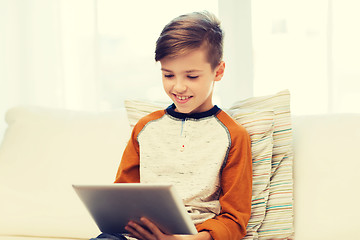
(47, 54)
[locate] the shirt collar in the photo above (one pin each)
(171, 111)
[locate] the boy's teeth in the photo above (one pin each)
(182, 98)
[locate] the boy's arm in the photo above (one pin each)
(236, 192)
(129, 171)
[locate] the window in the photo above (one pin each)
(311, 48)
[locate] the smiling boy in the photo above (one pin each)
(193, 144)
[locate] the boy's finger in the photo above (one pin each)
(139, 231)
(133, 232)
(151, 226)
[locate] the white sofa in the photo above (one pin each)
(44, 151)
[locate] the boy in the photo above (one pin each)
(193, 144)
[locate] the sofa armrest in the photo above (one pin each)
(326, 176)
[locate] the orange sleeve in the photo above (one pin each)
(236, 187)
(129, 169)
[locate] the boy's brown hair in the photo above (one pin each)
(189, 32)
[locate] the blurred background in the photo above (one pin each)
(93, 54)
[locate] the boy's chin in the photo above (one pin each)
(183, 110)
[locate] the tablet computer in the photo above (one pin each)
(113, 206)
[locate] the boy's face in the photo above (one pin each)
(189, 81)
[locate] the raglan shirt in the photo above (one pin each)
(206, 156)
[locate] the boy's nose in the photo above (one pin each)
(180, 86)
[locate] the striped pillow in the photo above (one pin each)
(136, 109)
(260, 126)
(278, 222)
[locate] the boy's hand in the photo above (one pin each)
(154, 233)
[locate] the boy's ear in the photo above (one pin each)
(219, 71)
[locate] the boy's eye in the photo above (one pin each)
(192, 77)
(168, 75)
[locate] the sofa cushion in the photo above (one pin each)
(43, 153)
(326, 176)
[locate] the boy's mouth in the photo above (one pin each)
(182, 99)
